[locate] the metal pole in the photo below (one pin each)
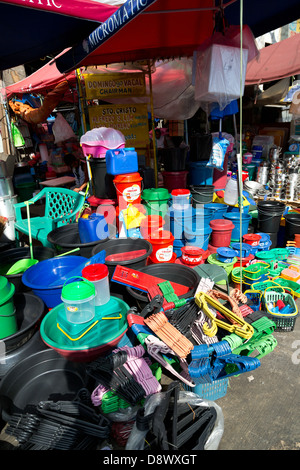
(153, 127)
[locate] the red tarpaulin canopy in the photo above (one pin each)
(275, 62)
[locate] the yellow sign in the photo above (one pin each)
(107, 85)
(130, 119)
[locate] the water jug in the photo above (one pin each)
(231, 191)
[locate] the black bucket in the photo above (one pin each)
(122, 245)
(269, 215)
(102, 182)
(273, 237)
(200, 147)
(67, 237)
(173, 159)
(202, 194)
(180, 274)
(292, 225)
(9, 257)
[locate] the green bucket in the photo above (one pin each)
(8, 321)
(156, 201)
(25, 191)
(251, 171)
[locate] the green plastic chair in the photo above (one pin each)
(61, 207)
(215, 273)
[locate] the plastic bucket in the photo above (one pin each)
(192, 255)
(200, 173)
(150, 224)
(173, 159)
(221, 232)
(176, 220)
(245, 251)
(234, 217)
(174, 179)
(212, 259)
(8, 321)
(98, 275)
(156, 201)
(202, 194)
(292, 225)
(121, 245)
(181, 198)
(252, 239)
(92, 228)
(251, 169)
(178, 244)
(162, 246)
(102, 181)
(218, 209)
(79, 300)
(128, 189)
(25, 191)
(269, 215)
(197, 237)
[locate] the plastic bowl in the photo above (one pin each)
(40, 276)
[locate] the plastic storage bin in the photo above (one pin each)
(79, 300)
(98, 275)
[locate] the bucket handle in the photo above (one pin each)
(79, 337)
(205, 240)
(78, 277)
(293, 223)
(142, 188)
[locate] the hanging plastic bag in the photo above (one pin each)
(17, 136)
(218, 152)
(62, 130)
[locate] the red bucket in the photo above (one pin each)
(151, 224)
(174, 179)
(193, 255)
(252, 239)
(245, 261)
(128, 189)
(221, 232)
(162, 246)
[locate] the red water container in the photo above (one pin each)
(151, 224)
(221, 232)
(162, 246)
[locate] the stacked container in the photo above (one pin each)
(7, 201)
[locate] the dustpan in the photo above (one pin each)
(21, 265)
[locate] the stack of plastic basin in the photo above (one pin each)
(239, 229)
(219, 209)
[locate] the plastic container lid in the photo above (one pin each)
(221, 224)
(181, 192)
(128, 178)
(226, 252)
(192, 251)
(155, 194)
(95, 272)
(78, 290)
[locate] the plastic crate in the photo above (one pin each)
(210, 391)
(283, 323)
(256, 270)
(262, 286)
(255, 297)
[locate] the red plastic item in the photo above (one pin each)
(280, 304)
(128, 187)
(221, 232)
(151, 224)
(245, 261)
(154, 261)
(192, 255)
(162, 245)
(142, 281)
(212, 249)
(125, 256)
(95, 272)
(252, 239)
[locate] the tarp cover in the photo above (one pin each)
(275, 62)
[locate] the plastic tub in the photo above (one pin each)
(193, 255)
(252, 239)
(98, 275)
(200, 173)
(234, 217)
(174, 179)
(197, 236)
(150, 224)
(292, 225)
(170, 272)
(79, 300)
(178, 244)
(11, 256)
(8, 322)
(218, 209)
(245, 251)
(202, 194)
(221, 232)
(124, 245)
(55, 270)
(162, 246)
(156, 201)
(269, 215)
(177, 220)
(212, 259)
(67, 237)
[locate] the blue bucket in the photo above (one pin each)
(225, 254)
(235, 219)
(197, 236)
(200, 174)
(246, 249)
(218, 209)
(176, 221)
(177, 245)
(53, 270)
